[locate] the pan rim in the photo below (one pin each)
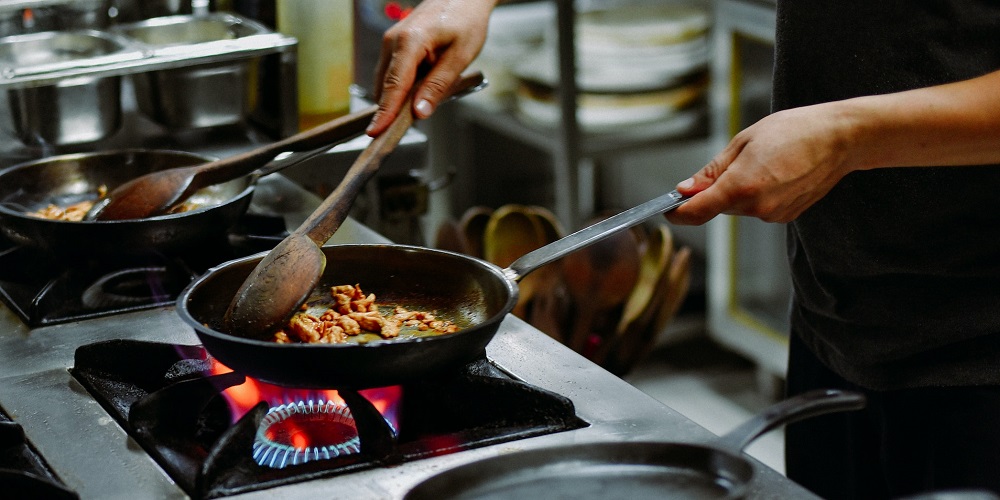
(247, 191)
(184, 297)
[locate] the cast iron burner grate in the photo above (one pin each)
(23, 471)
(43, 289)
(169, 400)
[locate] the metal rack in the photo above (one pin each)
(275, 112)
(573, 152)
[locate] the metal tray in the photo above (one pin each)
(246, 39)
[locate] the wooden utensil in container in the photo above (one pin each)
(599, 279)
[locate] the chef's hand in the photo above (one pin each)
(780, 166)
(773, 170)
(439, 38)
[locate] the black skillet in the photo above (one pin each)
(475, 294)
(629, 469)
(67, 179)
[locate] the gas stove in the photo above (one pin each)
(126, 404)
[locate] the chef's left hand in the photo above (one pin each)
(773, 170)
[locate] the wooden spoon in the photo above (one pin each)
(448, 237)
(287, 275)
(549, 299)
(472, 225)
(655, 263)
(643, 304)
(599, 278)
(510, 233)
(158, 192)
(636, 343)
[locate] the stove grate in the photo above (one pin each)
(23, 471)
(169, 400)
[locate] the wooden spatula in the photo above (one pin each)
(285, 278)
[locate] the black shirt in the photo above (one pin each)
(896, 271)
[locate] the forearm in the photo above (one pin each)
(952, 124)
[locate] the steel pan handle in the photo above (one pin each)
(805, 405)
(564, 246)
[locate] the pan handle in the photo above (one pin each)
(563, 246)
(805, 405)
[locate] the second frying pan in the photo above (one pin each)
(634, 470)
(66, 179)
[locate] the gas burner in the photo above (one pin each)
(297, 433)
(220, 433)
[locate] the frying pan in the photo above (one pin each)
(67, 179)
(471, 292)
(633, 470)
(72, 178)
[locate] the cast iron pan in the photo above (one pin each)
(473, 293)
(633, 470)
(67, 179)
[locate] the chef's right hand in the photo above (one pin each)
(437, 40)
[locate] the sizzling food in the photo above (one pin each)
(353, 313)
(77, 211)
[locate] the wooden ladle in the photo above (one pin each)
(285, 278)
(157, 193)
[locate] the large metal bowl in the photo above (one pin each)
(198, 96)
(71, 111)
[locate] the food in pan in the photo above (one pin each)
(77, 211)
(353, 313)
(74, 212)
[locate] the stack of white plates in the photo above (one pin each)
(635, 65)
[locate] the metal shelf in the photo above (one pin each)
(503, 121)
(572, 149)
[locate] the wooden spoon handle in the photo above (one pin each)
(328, 217)
(327, 134)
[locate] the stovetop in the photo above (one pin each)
(44, 289)
(218, 433)
(81, 438)
(97, 458)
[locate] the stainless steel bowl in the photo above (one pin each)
(196, 96)
(71, 111)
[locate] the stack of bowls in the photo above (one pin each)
(636, 65)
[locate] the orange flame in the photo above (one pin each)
(242, 398)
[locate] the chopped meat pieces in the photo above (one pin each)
(74, 212)
(77, 211)
(353, 313)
